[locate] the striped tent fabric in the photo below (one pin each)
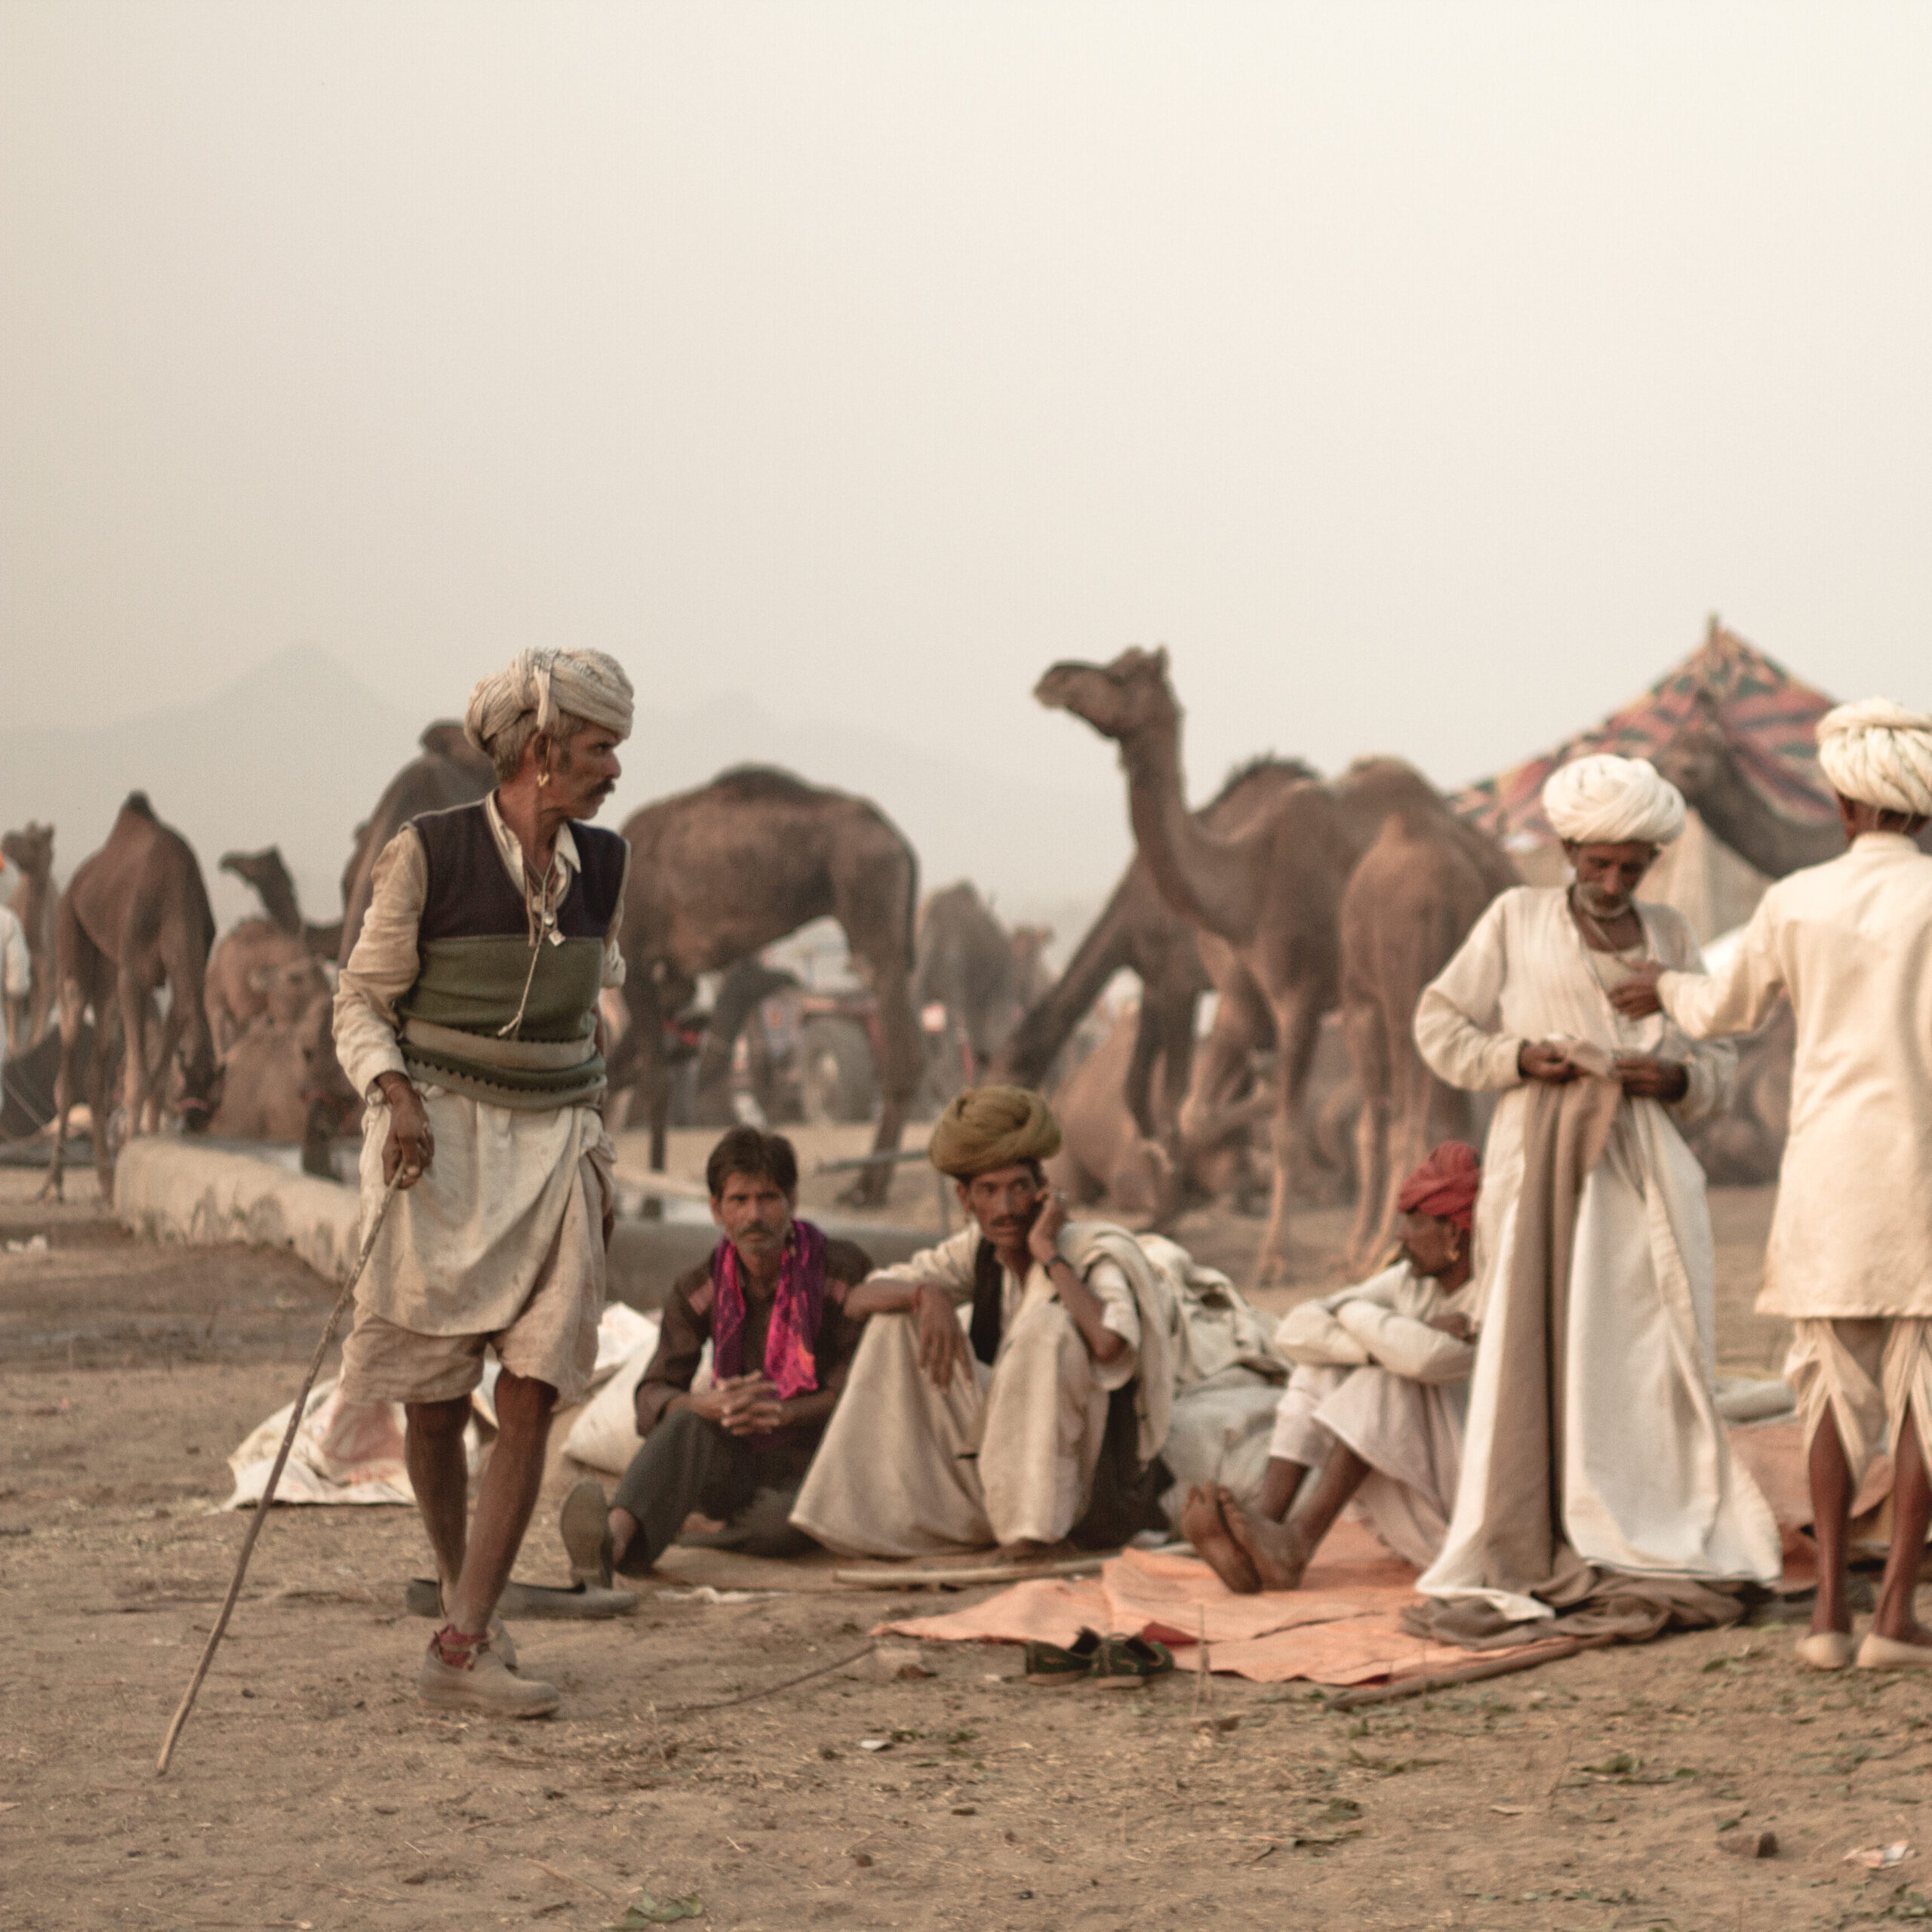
(1768, 717)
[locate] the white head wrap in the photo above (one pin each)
(587, 684)
(1605, 800)
(1880, 754)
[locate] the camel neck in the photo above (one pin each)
(1203, 876)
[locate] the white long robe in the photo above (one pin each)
(1649, 1486)
(1851, 941)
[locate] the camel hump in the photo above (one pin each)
(137, 802)
(754, 783)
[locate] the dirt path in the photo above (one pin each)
(310, 1791)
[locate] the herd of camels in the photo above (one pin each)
(1289, 897)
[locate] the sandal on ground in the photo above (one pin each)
(1826, 1650)
(1878, 1653)
(586, 1525)
(1051, 1664)
(1125, 1663)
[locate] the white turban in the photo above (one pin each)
(587, 684)
(1610, 801)
(1880, 754)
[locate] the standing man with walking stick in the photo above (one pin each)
(467, 1014)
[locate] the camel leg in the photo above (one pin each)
(135, 1012)
(1368, 1052)
(72, 1001)
(901, 1063)
(1298, 1013)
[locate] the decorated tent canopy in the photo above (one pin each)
(1766, 715)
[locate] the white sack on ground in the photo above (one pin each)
(352, 1452)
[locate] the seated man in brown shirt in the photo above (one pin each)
(771, 1302)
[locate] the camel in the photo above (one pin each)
(966, 962)
(134, 918)
(1410, 903)
(718, 873)
(281, 1081)
(1139, 930)
(31, 849)
(1273, 893)
(269, 874)
(451, 771)
(250, 961)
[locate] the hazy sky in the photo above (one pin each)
(1422, 375)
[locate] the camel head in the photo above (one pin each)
(31, 849)
(256, 869)
(1120, 700)
(446, 738)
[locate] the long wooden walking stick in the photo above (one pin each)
(295, 1415)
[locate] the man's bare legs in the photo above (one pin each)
(1911, 1511)
(474, 1569)
(1282, 1551)
(1831, 1518)
(1279, 1485)
(1203, 1525)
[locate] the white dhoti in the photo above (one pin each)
(1865, 1374)
(905, 1469)
(1409, 1433)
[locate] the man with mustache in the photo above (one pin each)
(955, 1436)
(771, 1300)
(1594, 1457)
(1377, 1401)
(467, 1014)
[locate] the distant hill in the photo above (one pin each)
(296, 751)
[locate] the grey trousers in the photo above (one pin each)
(687, 1463)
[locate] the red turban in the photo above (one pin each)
(1445, 1185)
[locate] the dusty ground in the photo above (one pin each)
(311, 1791)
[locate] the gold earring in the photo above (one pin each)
(543, 778)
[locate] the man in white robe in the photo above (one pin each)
(1636, 1476)
(467, 1015)
(1377, 1401)
(1850, 1259)
(975, 1408)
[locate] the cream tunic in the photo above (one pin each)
(1649, 1483)
(1850, 942)
(506, 1194)
(1005, 1454)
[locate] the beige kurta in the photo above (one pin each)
(906, 1469)
(510, 1195)
(1850, 942)
(1371, 1373)
(1649, 1486)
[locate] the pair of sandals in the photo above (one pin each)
(1111, 1662)
(1837, 1650)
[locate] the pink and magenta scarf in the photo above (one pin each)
(789, 1363)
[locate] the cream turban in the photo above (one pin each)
(1610, 801)
(986, 1127)
(1880, 754)
(586, 683)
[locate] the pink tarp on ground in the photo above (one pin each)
(1343, 1626)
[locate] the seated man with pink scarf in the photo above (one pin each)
(771, 1302)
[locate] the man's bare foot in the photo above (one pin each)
(1278, 1551)
(1906, 1629)
(1028, 1549)
(1200, 1523)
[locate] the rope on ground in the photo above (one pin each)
(771, 1690)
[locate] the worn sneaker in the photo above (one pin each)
(584, 1525)
(501, 1641)
(482, 1681)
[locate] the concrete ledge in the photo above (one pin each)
(168, 1189)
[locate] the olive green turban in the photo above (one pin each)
(986, 1127)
